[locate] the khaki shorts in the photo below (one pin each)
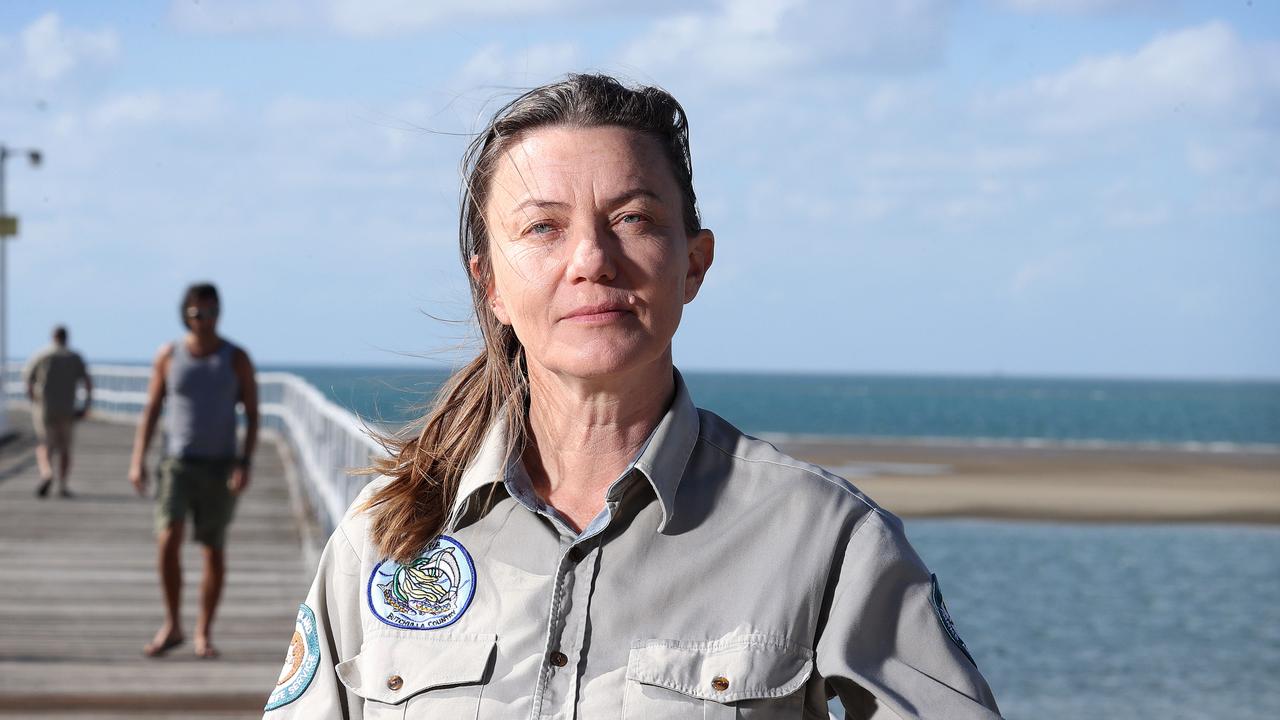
(51, 431)
(198, 487)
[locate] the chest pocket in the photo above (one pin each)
(411, 676)
(739, 676)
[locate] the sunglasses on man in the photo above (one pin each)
(195, 313)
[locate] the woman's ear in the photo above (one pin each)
(702, 251)
(476, 265)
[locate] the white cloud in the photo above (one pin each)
(495, 65)
(51, 51)
(742, 40)
(229, 16)
(1196, 73)
(372, 18)
(1130, 204)
(1077, 6)
(1233, 153)
(1042, 271)
(397, 17)
(152, 108)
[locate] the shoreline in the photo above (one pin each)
(1031, 444)
(1113, 484)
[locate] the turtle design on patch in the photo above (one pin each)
(427, 593)
(426, 586)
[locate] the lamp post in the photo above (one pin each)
(8, 226)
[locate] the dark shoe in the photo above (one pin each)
(65, 493)
(42, 490)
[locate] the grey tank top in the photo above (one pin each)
(200, 403)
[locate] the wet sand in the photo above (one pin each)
(1041, 483)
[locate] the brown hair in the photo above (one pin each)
(195, 293)
(413, 508)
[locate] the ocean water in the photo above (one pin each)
(1219, 415)
(1118, 621)
(1066, 621)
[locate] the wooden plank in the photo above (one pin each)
(79, 595)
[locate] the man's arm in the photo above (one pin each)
(29, 374)
(88, 389)
(249, 399)
(150, 415)
(88, 393)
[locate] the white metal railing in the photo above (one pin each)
(327, 441)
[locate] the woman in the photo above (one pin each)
(568, 535)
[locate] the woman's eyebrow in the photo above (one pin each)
(538, 203)
(620, 199)
(629, 195)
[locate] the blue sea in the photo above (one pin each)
(1066, 621)
(1214, 415)
(1072, 621)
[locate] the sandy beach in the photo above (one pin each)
(1040, 483)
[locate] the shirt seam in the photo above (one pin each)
(842, 587)
(853, 535)
(802, 469)
(350, 545)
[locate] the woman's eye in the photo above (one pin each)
(541, 228)
(631, 218)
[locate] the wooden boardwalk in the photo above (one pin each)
(79, 596)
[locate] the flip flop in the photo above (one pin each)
(152, 650)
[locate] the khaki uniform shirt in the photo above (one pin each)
(723, 579)
(54, 373)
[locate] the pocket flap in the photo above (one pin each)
(393, 669)
(736, 667)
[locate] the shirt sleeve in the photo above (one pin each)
(888, 633)
(327, 631)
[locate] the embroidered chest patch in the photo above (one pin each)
(940, 607)
(429, 593)
(300, 663)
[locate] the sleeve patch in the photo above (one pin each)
(940, 607)
(300, 662)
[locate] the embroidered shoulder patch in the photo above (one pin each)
(300, 663)
(940, 607)
(429, 593)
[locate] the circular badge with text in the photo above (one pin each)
(429, 593)
(300, 662)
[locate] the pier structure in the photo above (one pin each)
(79, 590)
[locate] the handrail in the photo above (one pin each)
(328, 441)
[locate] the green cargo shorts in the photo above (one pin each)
(199, 487)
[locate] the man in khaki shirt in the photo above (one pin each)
(52, 377)
(647, 612)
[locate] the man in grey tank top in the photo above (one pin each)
(201, 378)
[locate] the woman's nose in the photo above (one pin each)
(593, 250)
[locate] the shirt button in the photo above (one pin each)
(395, 682)
(559, 659)
(719, 683)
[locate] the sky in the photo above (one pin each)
(1032, 187)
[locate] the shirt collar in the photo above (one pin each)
(666, 455)
(662, 461)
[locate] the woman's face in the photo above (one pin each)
(591, 263)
